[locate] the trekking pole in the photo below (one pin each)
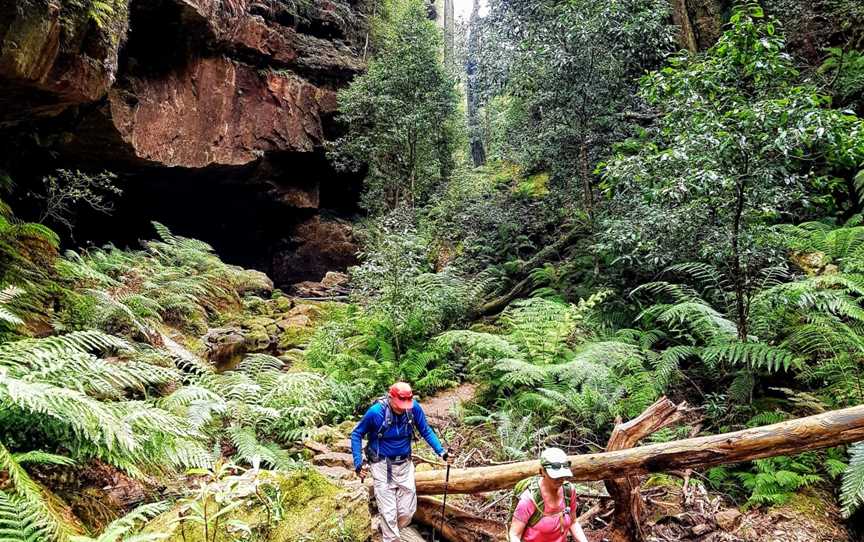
(444, 502)
(446, 482)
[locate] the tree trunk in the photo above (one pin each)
(700, 22)
(478, 153)
(790, 437)
(625, 525)
(738, 273)
(587, 189)
(459, 526)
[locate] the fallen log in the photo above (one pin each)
(790, 437)
(459, 526)
(626, 524)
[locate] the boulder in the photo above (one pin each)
(224, 344)
(255, 282)
(336, 473)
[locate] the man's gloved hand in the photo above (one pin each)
(446, 456)
(363, 471)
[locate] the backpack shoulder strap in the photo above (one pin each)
(569, 496)
(410, 414)
(388, 416)
(537, 499)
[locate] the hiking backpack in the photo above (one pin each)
(532, 484)
(388, 418)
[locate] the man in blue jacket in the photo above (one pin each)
(389, 426)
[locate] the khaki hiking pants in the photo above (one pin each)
(397, 501)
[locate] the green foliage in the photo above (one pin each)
(774, 480)
(558, 74)
(24, 512)
(102, 12)
(174, 280)
(742, 143)
(125, 529)
(546, 360)
(400, 113)
(104, 395)
(518, 435)
(65, 191)
(852, 495)
(845, 72)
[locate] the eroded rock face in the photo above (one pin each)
(214, 112)
(52, 57)
(319, 245)
(218, 111)
(229, 84)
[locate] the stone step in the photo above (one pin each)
(342, 445)
(334, 459)
(317, 447)
(336, 473)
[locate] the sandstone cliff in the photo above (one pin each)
(214, 112)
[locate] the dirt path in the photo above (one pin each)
(439, 407)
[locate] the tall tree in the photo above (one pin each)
(478, 151)
(570, 70)
(400, 114)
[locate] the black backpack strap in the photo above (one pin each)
(410, 414)
(388, 416)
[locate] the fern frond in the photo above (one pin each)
(852, 491)
(121, 529)
(753, 355)
(667, 363)
(677, 293)
(36, 515)
(254, 364)
(22, 522)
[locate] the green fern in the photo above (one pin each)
(8, 294)
(753, 355)
(35, 517)
(21, 522)
(125, 529)
(852, 491)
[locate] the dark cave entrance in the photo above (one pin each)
(287, 215)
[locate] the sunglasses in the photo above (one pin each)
(555, 466)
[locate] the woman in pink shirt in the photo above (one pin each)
(556, 516)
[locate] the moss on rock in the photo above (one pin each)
(313, 510)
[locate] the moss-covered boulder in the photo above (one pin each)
(310, 509)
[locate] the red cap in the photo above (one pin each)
(401, 395)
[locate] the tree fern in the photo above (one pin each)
(36, 354)
(667, 363)
(86, 418)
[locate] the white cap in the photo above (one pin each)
(555, 462)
